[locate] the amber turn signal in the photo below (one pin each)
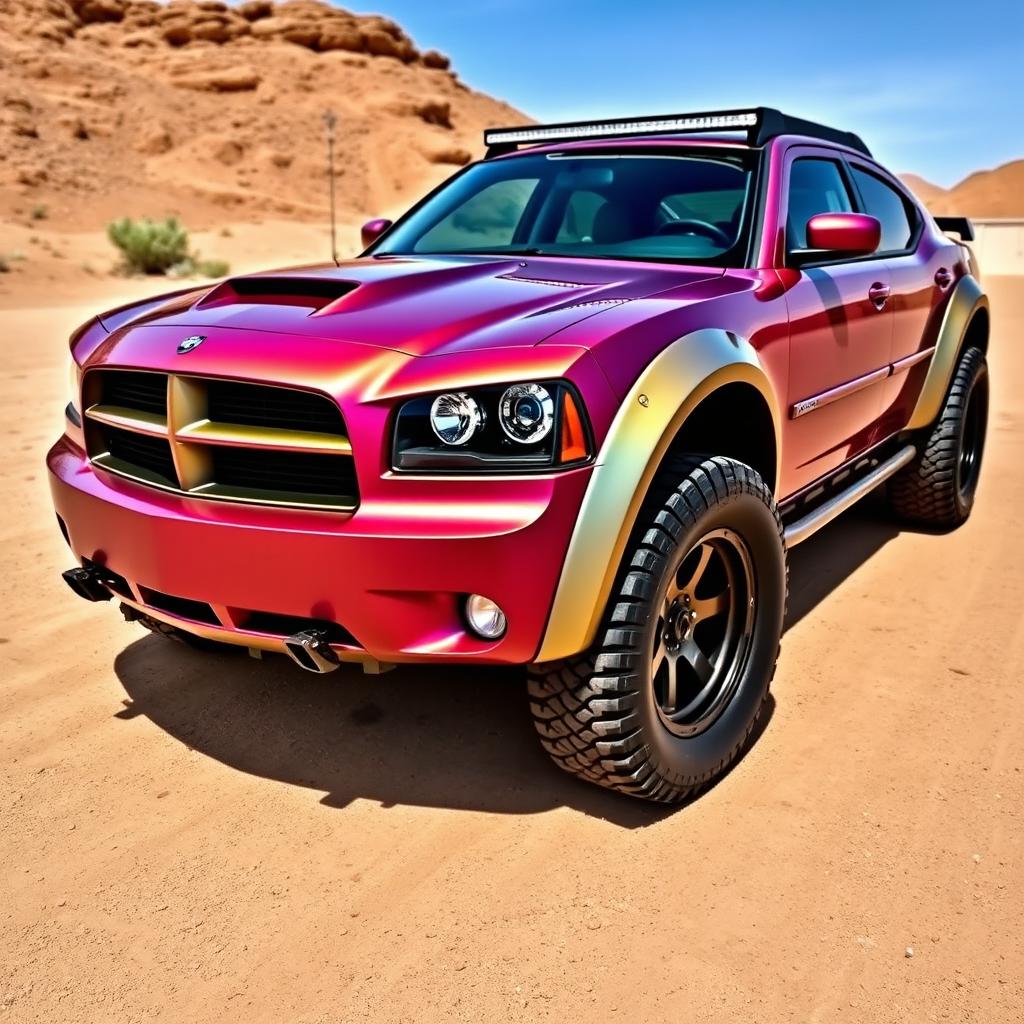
(574, 437)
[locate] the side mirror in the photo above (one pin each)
(373, 229)
(840, 234)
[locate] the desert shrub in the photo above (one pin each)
(150, 247)
(39, 212)
(213, 268)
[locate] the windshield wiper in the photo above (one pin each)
(504, 252)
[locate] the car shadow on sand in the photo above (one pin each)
(437, 736)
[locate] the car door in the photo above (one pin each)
(921, 277)
(841, 326)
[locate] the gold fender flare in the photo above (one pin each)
(677, 380)
(966, 300)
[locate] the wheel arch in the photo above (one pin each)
(966, 321)
(734, 420)
(674, 403)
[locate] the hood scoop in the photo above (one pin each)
(318, 294)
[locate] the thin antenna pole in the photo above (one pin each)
(330, 122)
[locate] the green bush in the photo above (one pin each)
(150, 247)
(213, 268)
(39, 212)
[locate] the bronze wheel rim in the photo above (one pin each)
(703, 632)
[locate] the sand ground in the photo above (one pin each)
(198, 838)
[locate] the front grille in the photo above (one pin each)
(299, 472)
(150, 454)
(131, 390)
(221, 439)
(236, 402)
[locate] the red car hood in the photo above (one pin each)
(427, 306)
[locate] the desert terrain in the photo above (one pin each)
(193, 837)
(206, 837)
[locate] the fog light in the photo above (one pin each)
(485, 618)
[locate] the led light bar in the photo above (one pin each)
(609, 129)
(759, 124)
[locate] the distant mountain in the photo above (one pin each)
(995, 193)
(923, 189)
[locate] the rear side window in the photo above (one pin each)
(883, 202)
(815, 186)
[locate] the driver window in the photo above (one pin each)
(815, 186)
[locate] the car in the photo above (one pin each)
(569, 412)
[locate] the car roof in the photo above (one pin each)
(674, 141)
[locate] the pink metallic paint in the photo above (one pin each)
(392, 572)
(372, 230)
(852, 234)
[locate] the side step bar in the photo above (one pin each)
(812, 522)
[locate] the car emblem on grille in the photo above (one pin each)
(190, 343)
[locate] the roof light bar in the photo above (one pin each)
(759, 124)
(608, 129)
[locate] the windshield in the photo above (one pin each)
(689, 209)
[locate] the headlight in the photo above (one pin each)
(534, 425)
(455, 417)
(527, 413)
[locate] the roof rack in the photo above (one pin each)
(759, 124)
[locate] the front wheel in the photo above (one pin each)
(665, 701)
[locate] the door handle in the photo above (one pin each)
(879, 293)
(943, 278)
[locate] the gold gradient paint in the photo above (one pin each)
(191, 434)
(964, 303)
(671, 387)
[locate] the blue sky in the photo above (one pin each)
(933, 87)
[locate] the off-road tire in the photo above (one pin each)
(937, 489)
(597, 714)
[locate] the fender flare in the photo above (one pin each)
(965, 302)
(693, 366)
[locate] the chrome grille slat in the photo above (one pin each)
(227, 440)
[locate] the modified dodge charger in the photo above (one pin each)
(569, 412)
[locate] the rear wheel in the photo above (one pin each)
(665, 701)
(938, 487)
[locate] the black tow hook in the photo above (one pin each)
(310, 649)
(87, 583)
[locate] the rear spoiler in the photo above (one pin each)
(961, 226)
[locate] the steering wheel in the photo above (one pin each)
(692, 226)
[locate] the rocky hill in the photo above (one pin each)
(112, 107)
(994, 194)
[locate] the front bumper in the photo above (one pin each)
(393, 574)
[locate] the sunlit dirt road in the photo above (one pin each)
(197, 838)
